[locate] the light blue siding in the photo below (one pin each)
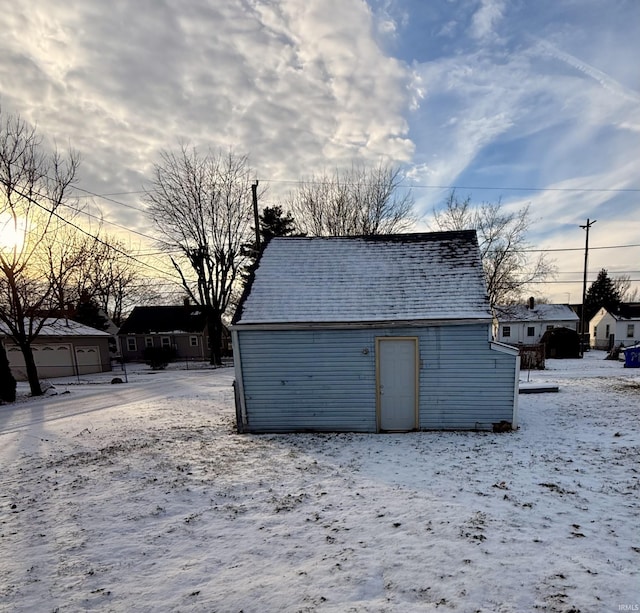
(464, 384)
(309, 380)
(325, 380)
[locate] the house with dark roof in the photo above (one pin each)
(182, 328)
(620, 326)
(371, 334)
(525, 324)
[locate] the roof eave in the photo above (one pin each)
(344, 325)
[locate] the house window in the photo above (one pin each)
(148, 341)
(506, 331)
(630, 330)
(131, 344)
(165, 341)
(531, 331)
(606, 333)
(595, 332)
(193, 341)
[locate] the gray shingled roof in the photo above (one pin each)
(156, 319)
(628, 310)
(60, 327)
(405, 277)
(540, 312)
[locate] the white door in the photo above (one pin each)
(397, 383)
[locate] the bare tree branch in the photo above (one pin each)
(359, 201)
(201, 204)
(34, 184)
(502, 238)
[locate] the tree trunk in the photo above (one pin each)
(215, 337)
(32, 371)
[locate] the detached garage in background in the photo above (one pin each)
(385, 333)
(63, 348)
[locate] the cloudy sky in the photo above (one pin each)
(532, 102)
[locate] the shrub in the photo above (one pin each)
(158, 357)
(7, 380)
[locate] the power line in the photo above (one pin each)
(107, 197)
(79, 229)
(112, 223)
(605, 190)
(578, 248)
(632, 190)
(579, 272)
(475, 187)
(573, 282)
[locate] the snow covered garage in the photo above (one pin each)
(371, 334)
(63, 348)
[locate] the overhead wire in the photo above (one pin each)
(300, 181)
(83, 231)
(108, 197)
(473, 187)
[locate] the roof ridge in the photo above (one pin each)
(396, 237)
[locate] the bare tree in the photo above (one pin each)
(509, 266)
(107, 273)
(121, 285)
(622, 285)
(34, 185)
(66, 259)
(201, 205)
(359, 201)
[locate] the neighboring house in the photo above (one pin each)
(384, 333)
(183, 328)
(614, 328)
(525, 324)
(63, 348)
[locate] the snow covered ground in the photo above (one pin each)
(141, 497)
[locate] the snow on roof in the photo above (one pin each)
(62, 327)
(403, 277)
(540, 312)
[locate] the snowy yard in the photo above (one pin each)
(142, 497)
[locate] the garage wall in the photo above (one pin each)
(325, 380)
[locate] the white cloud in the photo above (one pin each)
(486, 18)
(299, 86)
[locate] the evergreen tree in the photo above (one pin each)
(7, 381)
(88, 313)
(273, 222)
(601, 293)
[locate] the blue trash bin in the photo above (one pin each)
(632, 357)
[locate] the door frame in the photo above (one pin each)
(416, 359)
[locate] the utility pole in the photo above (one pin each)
(584, 284)
(256, 219)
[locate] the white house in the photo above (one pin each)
(526, 323)
(620, 327)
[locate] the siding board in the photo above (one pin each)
(325, 380)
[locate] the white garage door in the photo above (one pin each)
(55, 360)
(88, 359)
